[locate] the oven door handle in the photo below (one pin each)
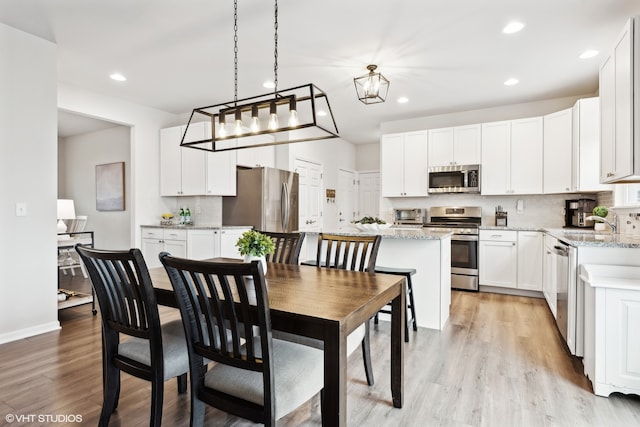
(465, 237)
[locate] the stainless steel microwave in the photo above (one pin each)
(454, 179)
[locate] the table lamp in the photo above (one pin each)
(66, 210)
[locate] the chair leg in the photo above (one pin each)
(111, 389)
(375, 319)
(366, 355)
(157, 394)
(413, 305)
(182, 383)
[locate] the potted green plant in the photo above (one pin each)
(602, 212)
(255, 245)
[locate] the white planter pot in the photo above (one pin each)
(262, 259)
(599, 226)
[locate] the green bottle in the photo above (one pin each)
(181, 216)
(187, 216)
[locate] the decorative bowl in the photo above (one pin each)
(372, 228)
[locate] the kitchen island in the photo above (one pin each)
(426, 251)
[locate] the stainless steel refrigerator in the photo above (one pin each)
(267, 199)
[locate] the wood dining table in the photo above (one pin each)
(327, 304)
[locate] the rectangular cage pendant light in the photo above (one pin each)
(291, 115)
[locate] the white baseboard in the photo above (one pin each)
(29, 332)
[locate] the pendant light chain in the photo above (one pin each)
(235, 51)
(275, 52)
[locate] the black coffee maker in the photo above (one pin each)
(576, 211)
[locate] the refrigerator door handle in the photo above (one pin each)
(284, 207)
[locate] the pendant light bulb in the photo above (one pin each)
(255, 122)
(222, 131)
(238, 127)
(293, 113)
(273, 117)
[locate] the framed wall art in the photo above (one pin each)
(110, 187)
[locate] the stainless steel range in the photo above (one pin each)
(463, 222)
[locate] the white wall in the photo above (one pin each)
(81, 154)
(368, 157)
(28, 171)
(146, 203)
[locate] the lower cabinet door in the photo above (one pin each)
(497, 263)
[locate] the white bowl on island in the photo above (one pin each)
(372, 228)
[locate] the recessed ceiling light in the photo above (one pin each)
(590, 53)
(511, 82)
(403, 100)
(322, 113)
(513, 27)
(118, 77)
(269, 85)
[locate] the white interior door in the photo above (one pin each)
(345, 198)
(310, 192)
(369, 194)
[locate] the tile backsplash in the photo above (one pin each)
(205, 210)
(543, 211)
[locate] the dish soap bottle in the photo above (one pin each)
(181, 216)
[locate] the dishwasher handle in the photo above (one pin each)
(561, 250)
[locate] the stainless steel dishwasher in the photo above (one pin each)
(570, 299)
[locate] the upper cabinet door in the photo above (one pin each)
(392, 165)
(466, 145)
(415, 164)
(526, 155)
(170, 164)
(557, 152)
(619, 78)
(440, 147)
(193, 161)
(495, 171)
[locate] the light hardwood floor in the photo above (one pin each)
(499, 362)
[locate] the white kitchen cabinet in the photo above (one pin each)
(403, 164)
(612, 320)
(203, 244)
(512, 157)
(497, 258)
(156, 240)
(557, 152)
(256, 157)
(454, 146)
(496, 161)
(228, 239)
(619, 108)
(190, 172)
(182, 170)
(586, 146)
(530, 260)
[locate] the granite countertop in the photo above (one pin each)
(409, 233)
(197, 226)
(581, 237)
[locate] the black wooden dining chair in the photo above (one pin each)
(152, 351)
(357, 253)
(287, 245)
(254, 376)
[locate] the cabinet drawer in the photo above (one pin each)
(499, 235)
(152, 233)
(174, 234)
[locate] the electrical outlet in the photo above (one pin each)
(21, 209)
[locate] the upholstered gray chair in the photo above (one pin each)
(152, 351)
(254, 376)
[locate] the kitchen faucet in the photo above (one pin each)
(613, 225)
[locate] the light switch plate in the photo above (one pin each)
(21, 209)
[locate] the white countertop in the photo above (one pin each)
(408, 233)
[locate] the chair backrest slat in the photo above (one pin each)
(287, 245)
(123, 289)
(348, 252)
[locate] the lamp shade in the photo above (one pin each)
(66, 210)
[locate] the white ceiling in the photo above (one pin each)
(445, 56)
